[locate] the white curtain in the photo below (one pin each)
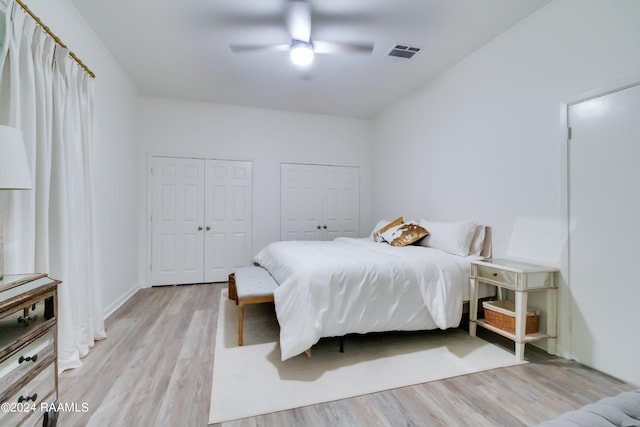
(51, 228)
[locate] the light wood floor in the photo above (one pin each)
(155, 369)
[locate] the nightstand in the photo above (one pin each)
(28, 355)
(521, 278)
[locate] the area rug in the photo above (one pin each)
(251, 380)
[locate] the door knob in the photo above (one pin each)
(208, 227)
(200, 228)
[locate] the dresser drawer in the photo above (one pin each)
(497, 275)
(24, 322)
(20, 363)
(38, 390)
(37, 418)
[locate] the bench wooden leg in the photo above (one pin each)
(240, 323)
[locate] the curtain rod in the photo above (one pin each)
(55, 38)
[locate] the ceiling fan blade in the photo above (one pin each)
(241, 48)
(320, 46)
(299, 20)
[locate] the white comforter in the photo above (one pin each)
(358, 286)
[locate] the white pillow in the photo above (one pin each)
(477, 243)
(452, 237)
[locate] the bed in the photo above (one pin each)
(351, 285)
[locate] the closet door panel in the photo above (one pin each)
(319, 202)
(332, 201)
(301, 204)
(176, 214)
(240, 214)
(228, 211)
(342, 215)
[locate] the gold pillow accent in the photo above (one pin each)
(377, 236)
(407, 234)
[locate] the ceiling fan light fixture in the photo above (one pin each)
(301, 53)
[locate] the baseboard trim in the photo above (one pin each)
(111, 308)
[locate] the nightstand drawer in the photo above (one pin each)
(497, 275)
(30, 396)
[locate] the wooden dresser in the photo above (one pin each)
(28, 355)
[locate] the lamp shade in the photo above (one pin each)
(14, 168)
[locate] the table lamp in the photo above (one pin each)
(14, 171)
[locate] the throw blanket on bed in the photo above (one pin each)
(622, 410)
(358, 286)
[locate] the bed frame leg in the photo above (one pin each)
(342, 344)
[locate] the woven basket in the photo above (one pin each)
(502, 315)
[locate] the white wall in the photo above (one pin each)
(116, 162)
(487, 139)
(266, 137)
(484, 140)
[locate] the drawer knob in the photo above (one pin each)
(495, 274)
(28, 398)
(28, 358)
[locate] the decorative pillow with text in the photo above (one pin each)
(377, 235)
(404, 234)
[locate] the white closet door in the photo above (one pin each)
(604, 237)
(228, 218)
(301, 204)
(342, 202)
(319, 202)
(176, 215)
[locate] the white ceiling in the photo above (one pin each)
(180, 48)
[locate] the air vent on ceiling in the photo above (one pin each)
(403, 51)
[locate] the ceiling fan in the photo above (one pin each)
(301, 48)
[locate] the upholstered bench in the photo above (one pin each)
(250, 285)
